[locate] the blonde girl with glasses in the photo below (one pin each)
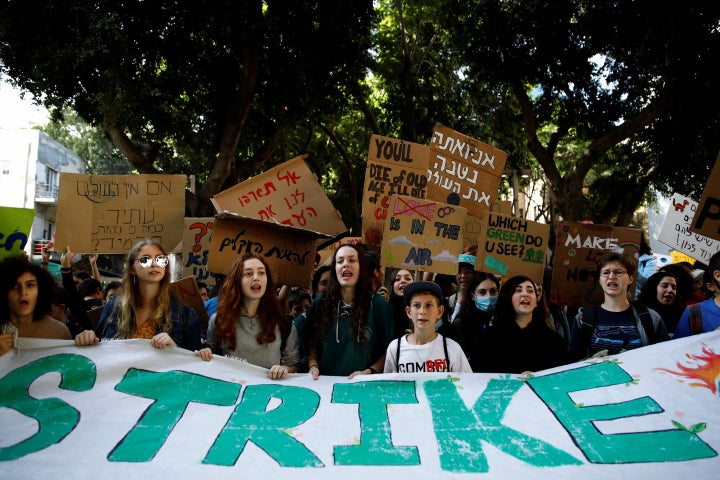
(145, 307)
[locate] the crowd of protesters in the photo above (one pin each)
(353, 319)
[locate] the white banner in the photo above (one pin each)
(122, 409)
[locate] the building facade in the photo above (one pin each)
(30, 166)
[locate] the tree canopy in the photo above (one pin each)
(602, 99)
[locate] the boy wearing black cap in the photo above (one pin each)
(424, 350)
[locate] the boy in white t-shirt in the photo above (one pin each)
(424, 350)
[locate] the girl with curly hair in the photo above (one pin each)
(26, 294)
(348, 326)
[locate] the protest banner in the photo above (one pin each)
(122, 409)
(110, 213)
(15, 226)
(186, 291)
(463, 171)
(578, 247)
(513, 246)
(288, 194)
(195, 248)
(676, 231)
(288, 251)
(422, 235)
(706, 221)
(395, 167)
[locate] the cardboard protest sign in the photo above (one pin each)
(123, 409)
(464, 171)
(187, 292)
(15, 225)
(422, 235)
(472, 232)
(288, 194)
(676, 231)
(110, 213)
(395, 167)
(706, 221)
(327, 252)
(288, 251)
(195, 248)
(513, 246)
(577, 249)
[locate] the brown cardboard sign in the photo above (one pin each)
(464, 171)
(187, 292)
(288, 251)
(395, 167)
(513, 246)
(706, 221)
(577, 250)
(472, 233)
(195, 248)
(422, 235)
(110, 213)
(288, 194)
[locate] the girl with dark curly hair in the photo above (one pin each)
(26, 297)
(348, 326)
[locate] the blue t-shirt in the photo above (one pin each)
(615, 332)
(710, 319)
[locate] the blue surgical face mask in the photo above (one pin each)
(486, 304)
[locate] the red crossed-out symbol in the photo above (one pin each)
(424, 210)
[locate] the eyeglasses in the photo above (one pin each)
(146, 261)
(617, 273)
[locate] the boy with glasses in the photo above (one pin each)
(617, 324)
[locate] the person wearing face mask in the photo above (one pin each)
(474, 314)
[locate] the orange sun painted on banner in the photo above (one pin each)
(704, 370)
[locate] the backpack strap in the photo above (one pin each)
(447, 358)
(397, 353)
(589, 316)
(695, 315)
(646, 320)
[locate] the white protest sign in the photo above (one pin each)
(675, 231)
(123, 409)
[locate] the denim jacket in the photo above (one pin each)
(185, 328)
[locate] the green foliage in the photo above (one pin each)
(89, 143)
(602, 100)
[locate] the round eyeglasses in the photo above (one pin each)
(146, 261)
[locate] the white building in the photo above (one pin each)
(30, 166)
